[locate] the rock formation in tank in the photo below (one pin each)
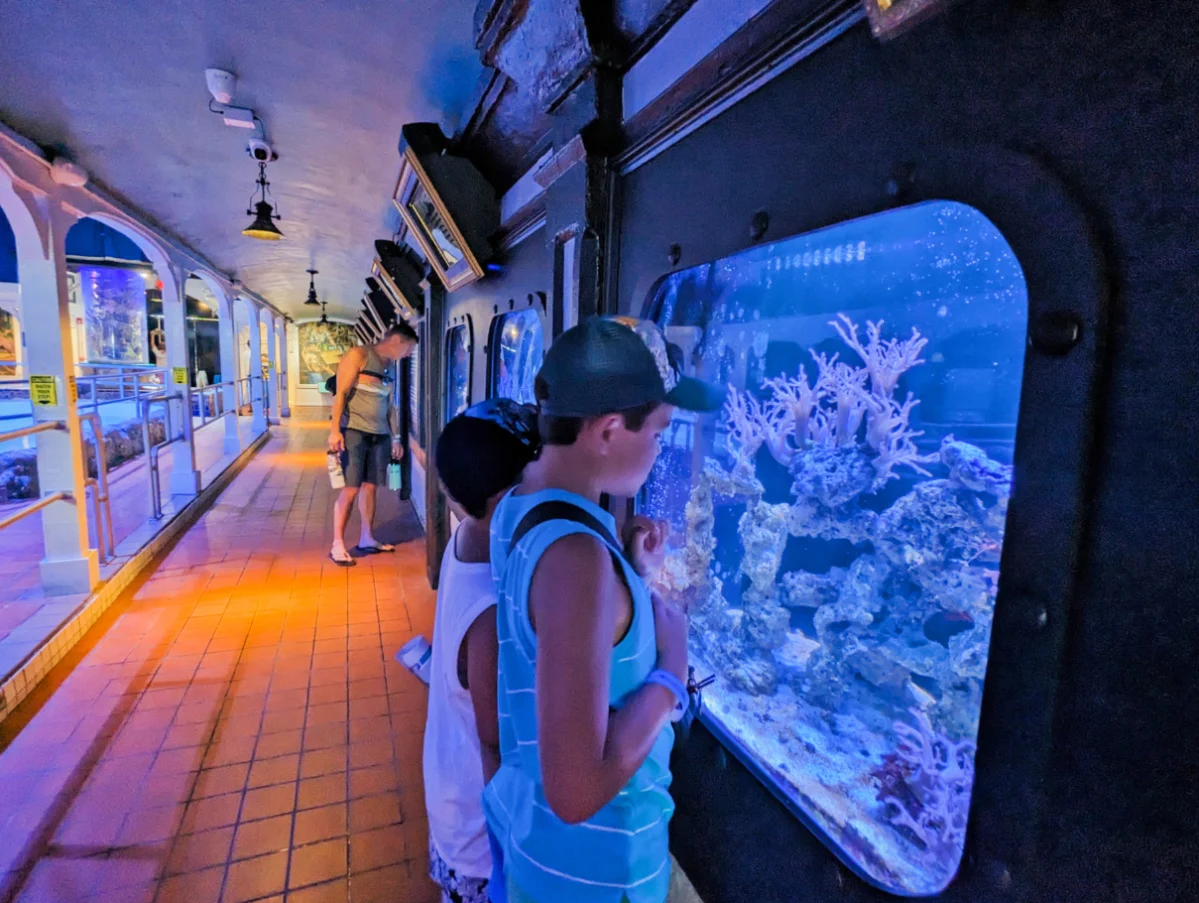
(899, 632)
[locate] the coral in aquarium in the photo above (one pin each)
(891, 622)
(925, 785)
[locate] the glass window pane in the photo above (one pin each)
(114, 310)
(838, 529)
(457, 393)
(436, 230)
(519, 347)
(417, 398)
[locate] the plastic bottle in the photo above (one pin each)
(337, 479)
(394, 476)
(416, 655)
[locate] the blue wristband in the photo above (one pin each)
(675, 686)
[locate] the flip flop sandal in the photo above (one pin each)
(374, 550)
(347, 562)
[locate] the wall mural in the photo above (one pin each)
(321, 347)
(8, 343)
(114, 305)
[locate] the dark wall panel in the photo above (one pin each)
(1101, 98)
(525, 269)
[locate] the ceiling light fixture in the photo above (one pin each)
(324, 316)
(263, 227)
(312, 289)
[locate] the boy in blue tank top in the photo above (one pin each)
(591, 669)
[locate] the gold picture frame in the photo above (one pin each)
(399, 301)
(450, 255)
(890, 18)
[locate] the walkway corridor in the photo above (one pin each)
(235, 728)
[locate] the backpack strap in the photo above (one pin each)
(562, 510)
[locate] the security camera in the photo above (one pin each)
(261, 151)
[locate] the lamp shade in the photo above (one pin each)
(263, 226)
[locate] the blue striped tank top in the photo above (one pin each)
(621, 852)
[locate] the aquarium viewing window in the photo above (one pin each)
(517, 347)
(839, 526)
(417, 396)
(457, 374)
(114, 310)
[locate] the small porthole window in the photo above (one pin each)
(458, 367)
(517, 347)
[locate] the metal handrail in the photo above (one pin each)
(43, 427)
(33, 508)
(215, 388)
(45, 500)
(168, 437)
(144, 380)
(101, 508)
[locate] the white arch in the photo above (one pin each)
(158, 256)
(215, 285)
(29, 239)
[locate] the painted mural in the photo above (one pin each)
(8, 343)
(321, 347)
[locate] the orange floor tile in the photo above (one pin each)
(236, 728)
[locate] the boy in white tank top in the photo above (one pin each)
(480, 455)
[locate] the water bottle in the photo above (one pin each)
(394, 476)
(337, 479)
(416, 655)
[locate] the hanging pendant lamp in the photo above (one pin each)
(263, 226)
(312, 289)
(324, 316)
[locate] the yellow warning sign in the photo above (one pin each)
(72, 390)
(43, 390)
(179, 376)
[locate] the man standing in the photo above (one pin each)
(366, 432)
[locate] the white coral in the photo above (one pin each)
(889, 433)
(746, 425)
(885, 361)
(941, 775)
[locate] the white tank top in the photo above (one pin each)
(453, 770)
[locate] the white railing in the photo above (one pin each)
(46, 500)
(101, 510)
(129, 383)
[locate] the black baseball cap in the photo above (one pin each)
(609, 364)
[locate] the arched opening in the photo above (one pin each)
(203, 318)
(10, 302)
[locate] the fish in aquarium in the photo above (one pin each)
(842, 582)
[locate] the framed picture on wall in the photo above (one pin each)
(447, 205)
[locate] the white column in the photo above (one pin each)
(256, 387)
(272, 376)
(185, 477)
(69, 566)
(228, 345)
(284, 356)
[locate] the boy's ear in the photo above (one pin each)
(607, 425)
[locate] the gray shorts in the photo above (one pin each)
(366, 458)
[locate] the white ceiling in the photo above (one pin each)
(120, 86)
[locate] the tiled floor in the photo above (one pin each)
(27, 616)
(237, 728)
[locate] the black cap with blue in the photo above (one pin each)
(609, 364)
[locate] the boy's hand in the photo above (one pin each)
(670, 626)
(645, 545)
(337, 442)
(397, 451)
